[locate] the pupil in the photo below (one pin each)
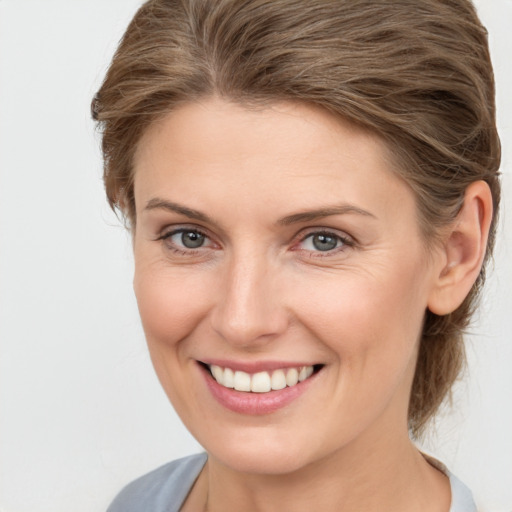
(324, 242)
(192, 239)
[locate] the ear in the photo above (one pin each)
(463, 250)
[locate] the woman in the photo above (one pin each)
(312, 191)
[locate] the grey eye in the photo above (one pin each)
(323, 242)
(192, 239)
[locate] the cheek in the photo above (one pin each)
(171, 304)
(368, 320)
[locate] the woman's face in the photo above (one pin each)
(268, 242)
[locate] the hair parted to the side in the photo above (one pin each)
(416, 72)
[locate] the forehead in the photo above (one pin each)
(284, 127)
(287, 154)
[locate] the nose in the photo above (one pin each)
(249, 310)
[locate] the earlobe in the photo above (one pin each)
(463, 250)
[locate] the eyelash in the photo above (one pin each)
(186, 251)
(345, 242)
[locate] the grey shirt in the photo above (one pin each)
(165, 489)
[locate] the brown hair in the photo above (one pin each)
(417, 72)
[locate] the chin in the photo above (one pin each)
(260, 449)
(262, 460)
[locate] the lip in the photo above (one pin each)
(254, 404)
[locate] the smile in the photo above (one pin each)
(260, 382)
(258, 388)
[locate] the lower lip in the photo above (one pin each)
(254, 403)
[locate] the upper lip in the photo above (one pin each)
(255, 366)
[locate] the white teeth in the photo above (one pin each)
(261, 382)
(292, 377)
(216, 372)
(242, 381)
(305, 372)
(278, 380)
(228, 380)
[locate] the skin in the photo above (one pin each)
(259, 290)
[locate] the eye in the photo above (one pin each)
(323, 241)
(189, 239)
(185, 239)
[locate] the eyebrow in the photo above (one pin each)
(311, 215)
(307, 216)
(157, 203)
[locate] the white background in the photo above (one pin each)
(81, 411)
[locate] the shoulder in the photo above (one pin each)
(462, 499)
(161, 490)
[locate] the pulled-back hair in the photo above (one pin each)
(416, 72)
